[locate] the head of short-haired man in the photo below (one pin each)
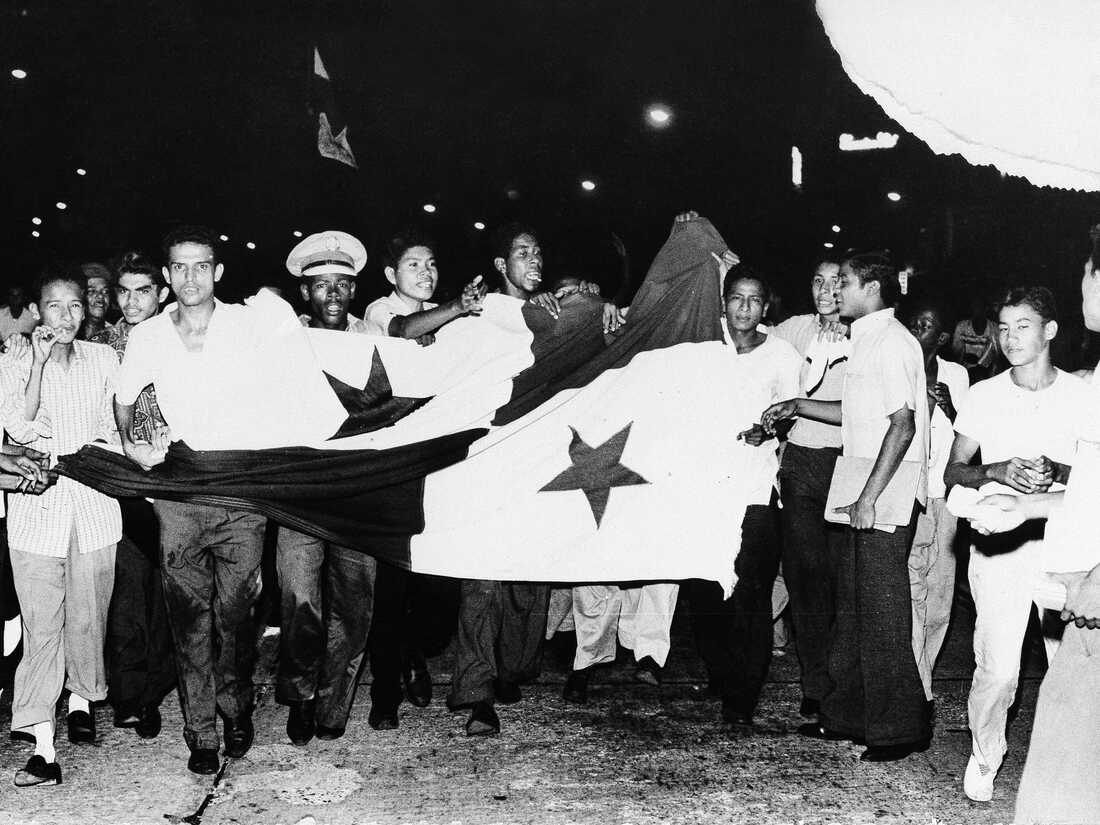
(518, 260)
(746, 296)
(1027, 321)
(931, 324)
(867, 283)
(58, 302)
(1090, 283)
(138, 290)
(192, 265)
(823, 287)
(97, 295)
(410, 267)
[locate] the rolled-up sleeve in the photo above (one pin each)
(898, 373)
(13, 387)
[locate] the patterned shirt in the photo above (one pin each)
(77, 407)
(147, 415)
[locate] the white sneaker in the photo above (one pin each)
(978, 780)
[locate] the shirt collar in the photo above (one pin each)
(871, 321)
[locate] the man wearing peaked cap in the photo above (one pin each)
(328, 262)
(318, 659)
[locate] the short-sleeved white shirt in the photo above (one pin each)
(376, 319)
(1010, 421)
(957, 380)
(821, 377)
(764, 376)
(156, 355)
(884, 374)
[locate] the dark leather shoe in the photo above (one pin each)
(809, 708)
(127, 715)
(418, 682)
(736, 716)
(203, 761)
(238, 734)
(507, 693)
(648, 671)
(328, 734)
(892, 753)
(814, 730)
(576, 687)
(38, 772)
(301, 722)
(81, 727)
(483, 720)
(382, 717)
(148, 726)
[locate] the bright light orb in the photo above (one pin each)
(297, 233)
(429, 208)
(828, 245)
(36, 221)
(658, 116)
(588, 185)
(82, 172)
(250, 245)
(36, 234)
(893, 196)
(61, 205)
(836, 228)
(19, 74)
(223, 238)
(479, 226)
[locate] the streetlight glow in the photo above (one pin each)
(18, 74)
(223, 238)
(429, 208)
(61, 205)
(828, 245)
(836, 228)
(588, 185)
(658, 115)
(36, 234)
(297, 233)
(893, 196)
(82, 172)
(479, 226)
(36, 221)
(250, 245)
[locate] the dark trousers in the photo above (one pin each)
(140, 668)
(414, 617)
(876, 689)
(810, 545)
(734, 635)
(501, 626)
(210, 563)
(327, 596)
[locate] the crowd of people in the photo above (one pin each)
(874, 408)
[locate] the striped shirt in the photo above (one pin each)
(77, 406)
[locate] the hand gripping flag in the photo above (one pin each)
(515, 447)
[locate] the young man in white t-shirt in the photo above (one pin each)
(932, 559)
(734, 635)
(1025, 422)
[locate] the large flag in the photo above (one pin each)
(1010, 83)
(515, 447)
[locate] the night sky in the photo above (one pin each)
(199, 112)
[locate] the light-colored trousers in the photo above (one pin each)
(1061, 781)
(640, 618)
(932, 585)
(1004, 587)
(64, 604)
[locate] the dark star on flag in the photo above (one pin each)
(596, 470)
(372, 406)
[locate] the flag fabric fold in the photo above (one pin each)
(516, 447)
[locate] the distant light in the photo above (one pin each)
(18, 74)
(588, 185)
(893, 196)
(796, 167)
(82, 172)
(429, 208)
(883, 140)
(250, 245)
(828, 245)
(36, 234)
(512, 194)
(658, 116)
(297, 233)
(223, 238)
(61, 205)
(36, 221)
(479, 226)
(836, 228)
